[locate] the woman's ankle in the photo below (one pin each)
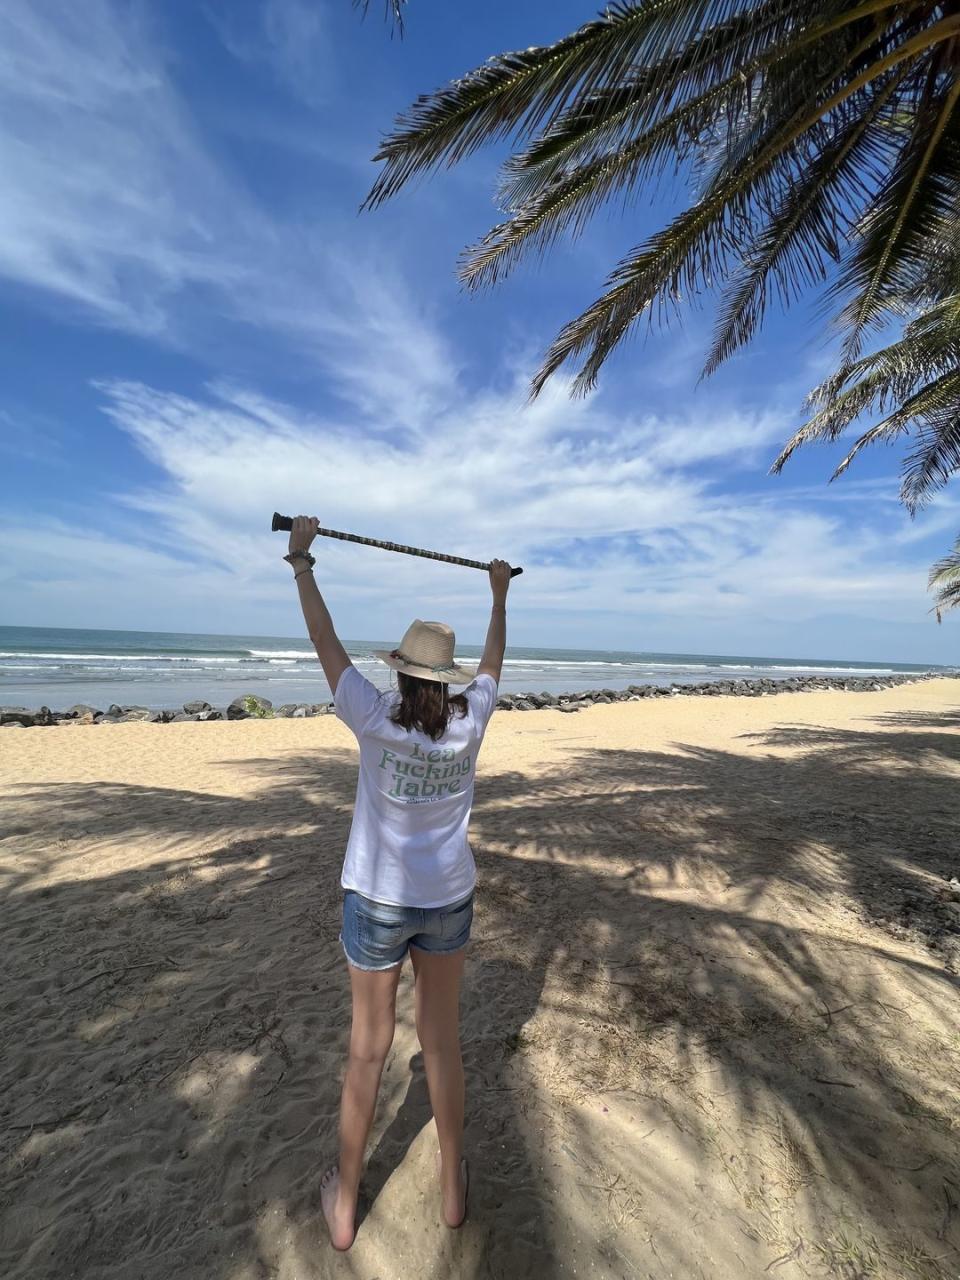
(347, 1193)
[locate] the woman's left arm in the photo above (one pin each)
(333, 657)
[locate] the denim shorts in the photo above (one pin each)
(376, 935)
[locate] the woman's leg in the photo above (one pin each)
(371, 1035)
(438, 1028)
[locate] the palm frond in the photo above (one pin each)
(568, 202)
(893, 236)
(517, 92)
(697, 245)
(393, 11)
(936, 455)
(522, 91)
(804, 231)
(906, 381)
(729, 55)
(550, 193)
(945, 579)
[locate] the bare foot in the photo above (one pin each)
(341, 1225)
(455, 1197)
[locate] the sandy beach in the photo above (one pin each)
(702, 1036)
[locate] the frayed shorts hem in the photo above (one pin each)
(370, 968)
(450, 951)
(383, 968)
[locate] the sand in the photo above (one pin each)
(693, 1049)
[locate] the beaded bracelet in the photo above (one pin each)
(300, 555)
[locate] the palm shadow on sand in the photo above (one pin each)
(583, 907)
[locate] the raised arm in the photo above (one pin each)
(333, 657)
(492, 661)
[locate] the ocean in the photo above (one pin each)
(159, 669)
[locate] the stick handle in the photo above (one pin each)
(285, 523)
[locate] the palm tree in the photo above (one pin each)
(824, 137)
(822, 133)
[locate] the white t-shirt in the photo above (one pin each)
(408, 841)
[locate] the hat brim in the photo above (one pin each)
(454, 674)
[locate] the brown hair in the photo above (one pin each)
(426, 705)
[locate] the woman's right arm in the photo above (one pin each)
(492, 661)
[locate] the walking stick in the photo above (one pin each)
(285, 523)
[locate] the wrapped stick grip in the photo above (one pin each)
(285, 523)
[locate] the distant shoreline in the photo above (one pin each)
(254, 706)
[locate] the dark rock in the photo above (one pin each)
(17, 715)
(250, 705)
(291, 709)
(114, 709)
(82, 713)
(569, 706)
(181, 716)
(211, 713)
(105, 718)
(194, 708)
(136, 713)
(12, 724)
(505, 703)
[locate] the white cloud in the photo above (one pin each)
(601, 520)
(114, 203)
(626, 542)
(110, 200)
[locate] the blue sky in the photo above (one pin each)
(199, 327)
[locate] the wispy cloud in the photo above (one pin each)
(289, 38)
(605, 510)
(110, 200)
(115, 204)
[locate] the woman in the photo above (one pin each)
(408, 874)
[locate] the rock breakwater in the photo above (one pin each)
(252, 706)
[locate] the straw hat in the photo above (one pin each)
(426, 651)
